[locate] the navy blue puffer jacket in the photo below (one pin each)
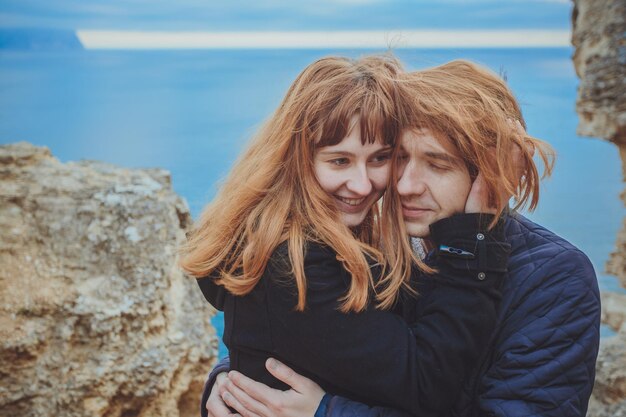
(541, 360)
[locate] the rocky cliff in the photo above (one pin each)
(600, 61)
(95, 317)
(599, 38)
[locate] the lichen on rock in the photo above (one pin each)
(96, 319)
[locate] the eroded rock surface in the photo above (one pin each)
(614, 311)
(599, 36)
(617, 261)
(95, 317)
(609, 391)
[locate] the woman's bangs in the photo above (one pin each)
(377, 123)
(335, 123)
(376, 112)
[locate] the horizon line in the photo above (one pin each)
(357, 39)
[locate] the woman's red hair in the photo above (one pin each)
(271, 195)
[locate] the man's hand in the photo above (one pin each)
(215, 405)
(253, 399)
(478, 200)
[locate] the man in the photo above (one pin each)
(541, 359)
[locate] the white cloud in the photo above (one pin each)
(325, 39)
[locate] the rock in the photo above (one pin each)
(95, 317)
(599, 38)
(609, 391)
(616, 264)
(614, 311)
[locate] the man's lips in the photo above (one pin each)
(412, 212)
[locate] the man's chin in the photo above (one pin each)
(418, 230)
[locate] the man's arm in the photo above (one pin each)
(222, 366)
(343, 407)
(544, 355)
(304, 398)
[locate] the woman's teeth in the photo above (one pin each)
(352, 201)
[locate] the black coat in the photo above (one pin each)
(373, 356)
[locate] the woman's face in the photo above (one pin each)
(353, 174)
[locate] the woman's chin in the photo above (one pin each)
(353, 220)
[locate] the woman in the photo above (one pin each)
(295, 254)
(460, 125)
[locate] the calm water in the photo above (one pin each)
(192, 111)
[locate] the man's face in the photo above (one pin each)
(434, 181)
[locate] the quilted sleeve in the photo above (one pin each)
(222, 366)
(343, 407)
(544, 356)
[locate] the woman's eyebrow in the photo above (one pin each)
(385, 149)
(347, 153)
(335, 153)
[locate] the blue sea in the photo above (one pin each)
(191, 112)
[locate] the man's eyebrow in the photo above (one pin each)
(445, 157)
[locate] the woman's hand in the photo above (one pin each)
(254, 399)
(215, 405)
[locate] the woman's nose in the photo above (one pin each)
(360, 182)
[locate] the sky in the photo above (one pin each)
(240, 15)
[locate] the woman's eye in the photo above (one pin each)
(339, 161)
(383, 157)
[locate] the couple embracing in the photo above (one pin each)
(368, 263)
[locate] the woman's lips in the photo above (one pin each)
(352, 205)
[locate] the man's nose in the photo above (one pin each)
(411, 181)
